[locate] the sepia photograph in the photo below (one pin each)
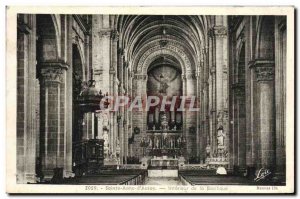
(150, 100)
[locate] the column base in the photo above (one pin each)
(69, 174)
(54, 175)
(30, 178)
(47, 175)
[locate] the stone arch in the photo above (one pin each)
(57, 25)
(80, 54)
(169, 40)
(143, 61)
(48, 34)
(265, 41)
(153, 56)
(240, 60)
(78, 77)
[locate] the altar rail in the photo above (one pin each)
(136, 180)
(130, 166)
(193, 167)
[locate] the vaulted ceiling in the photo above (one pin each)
(138, 31)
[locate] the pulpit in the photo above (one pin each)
(95, 154)
(88, 156)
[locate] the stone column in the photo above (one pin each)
(52, 139)
(190, 116)
(240, 124)
(198, 131)
(265, 82)
(113, 87)
(69, 101)
(212, 93)
(120, 138)
(27, 100)
(125, 122)
(219, 31)
(138, 117)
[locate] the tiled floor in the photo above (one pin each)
(162, 181)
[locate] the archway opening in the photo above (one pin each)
(239, 114)
(164, 120)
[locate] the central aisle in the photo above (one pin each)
(162, 181)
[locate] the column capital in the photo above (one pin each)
(264, 69)
(218, 31)
(52, 71)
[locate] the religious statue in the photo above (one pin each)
(150, 142)
(179, 141)
(207, 151)
(164, 122)
(220, 136)
(171, 143)
(106, 146)
(163, 84)
(105, 120)
(157, 143)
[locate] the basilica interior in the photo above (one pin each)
(233, 66)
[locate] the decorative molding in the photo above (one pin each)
(145, 60)
(84, 27)
(163, 43)
(140, 77)
(153, 50)
(115, 35)
(97, 71)
(120, 51)
(106, 33)
(78, 30)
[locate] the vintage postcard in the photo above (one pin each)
(150, 100)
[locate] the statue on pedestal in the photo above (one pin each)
(220, 137)
(164, 122)
(106, 148)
